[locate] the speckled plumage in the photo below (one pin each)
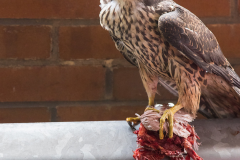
(172, 47)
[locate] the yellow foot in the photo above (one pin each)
(133, 121)
(151, 108)
(168, 114)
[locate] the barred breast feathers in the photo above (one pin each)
(136, 25)
(112, 12)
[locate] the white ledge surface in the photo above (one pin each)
(105, 140)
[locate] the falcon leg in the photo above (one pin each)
(151, 104)
(132, 121)
(151, 100)
(168, 114)
(189, 92)
(150, 83)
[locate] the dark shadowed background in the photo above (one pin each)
(58, 64)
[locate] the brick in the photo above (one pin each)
(237, 69)
(70, 9)
(23, 115)
(100, 113)
(76, 9)
(127, 85)
(238, 6)
(228, 38)
(206, 8)
(97, 113)
(86, 42)
(25, 42)
(52, 83)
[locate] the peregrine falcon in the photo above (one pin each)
(173, 48)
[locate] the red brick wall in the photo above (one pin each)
(58, 64)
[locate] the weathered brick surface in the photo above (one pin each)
(228, 38)
(127, 85)
(25, 42)
(90, 9)
(239, 7)
(237, 69)
(21, 115)
(97, 113)
(100, 113)
(206, 8)
(31, 40)
(52, 83)
(86, 42)
(49, 9)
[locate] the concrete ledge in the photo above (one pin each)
(105, 140)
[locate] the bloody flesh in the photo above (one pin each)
(150, 147)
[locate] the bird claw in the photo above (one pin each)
(132, 122)
(168, 114)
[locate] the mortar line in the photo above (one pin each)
(58, 22)
(92, 62)
(53, 113)
(234, 8)
(81, 62)
(55, 44)
(79, 103)
(96, 22)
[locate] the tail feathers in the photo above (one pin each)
(206, 108)
(213, 108)
(220, 99)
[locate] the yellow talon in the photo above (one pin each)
(168, 114)
(136, 120)
(133, 119)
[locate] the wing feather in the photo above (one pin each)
(127, 54)
(187, 33)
